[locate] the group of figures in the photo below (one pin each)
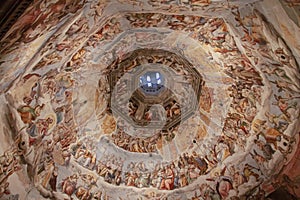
(172, 110)
(62, 137)
(141, 145)
(164, 176)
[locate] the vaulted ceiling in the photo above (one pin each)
(166, 99)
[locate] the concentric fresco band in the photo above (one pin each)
(151, 99)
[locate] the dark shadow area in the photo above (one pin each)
(281, 194)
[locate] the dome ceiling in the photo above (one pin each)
(151, 100)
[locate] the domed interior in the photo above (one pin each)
(150, 99)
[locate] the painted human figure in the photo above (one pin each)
(183, 181)
(223, 188)
(148, 115)
(199, 162)
(43, 126)
(168, 179)
(53, 179)
(131, 176)
(69, 184)
(29, 114)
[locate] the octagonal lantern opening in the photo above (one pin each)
(152, 82)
